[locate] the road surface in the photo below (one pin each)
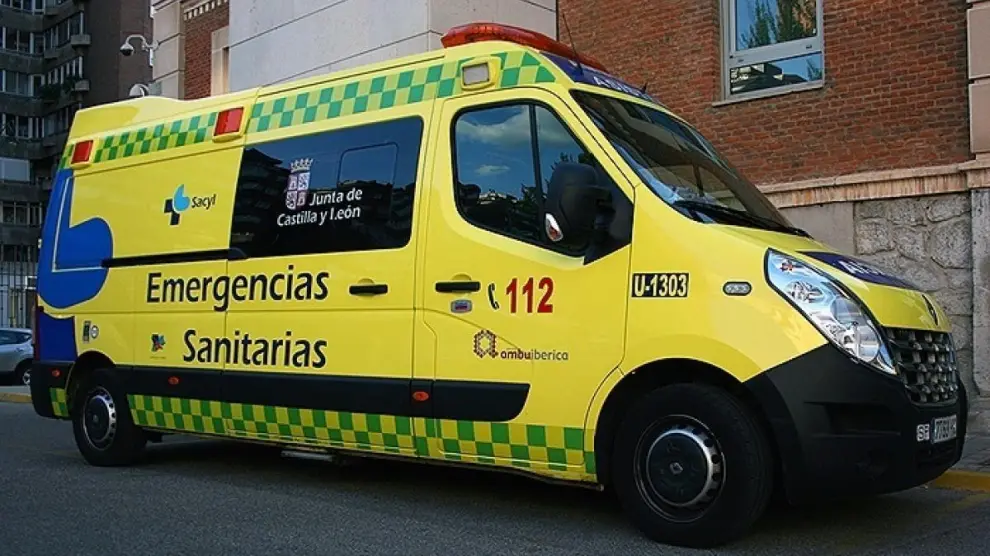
(213, 497)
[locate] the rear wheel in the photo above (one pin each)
(101, 422)
(691, 466)
(22, 374)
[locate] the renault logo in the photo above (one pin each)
(931, 309)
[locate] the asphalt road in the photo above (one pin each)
(195, 496)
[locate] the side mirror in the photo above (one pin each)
(574, 200)
(468, 194)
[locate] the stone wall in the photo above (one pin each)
(927, 240)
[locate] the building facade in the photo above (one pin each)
(56, 56)
(213, 46)
(867, 121)
(192, 57)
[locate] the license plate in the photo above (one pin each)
(943, 429)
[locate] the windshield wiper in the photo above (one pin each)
(740, 215)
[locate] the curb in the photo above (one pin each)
(15, 397)
(963, 480)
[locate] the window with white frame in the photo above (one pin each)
(60, 120)
(24, 5)
(13, 126)
(771, 45)
(15, 83)
(17, 40)
(61, 33)
(15, 169)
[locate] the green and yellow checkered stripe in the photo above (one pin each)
(66, 156)
(161, 137)
(402, 87)
(399, 88)
(60, 405)
(524, 445)
(543, 449)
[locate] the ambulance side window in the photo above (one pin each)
(504, 156)
(335, 191)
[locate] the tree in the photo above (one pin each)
(792, 19)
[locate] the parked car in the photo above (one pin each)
(16, 352)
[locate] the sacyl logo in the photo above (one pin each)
(180, 202)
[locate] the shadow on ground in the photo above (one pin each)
(845, 526)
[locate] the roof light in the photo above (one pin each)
(82, 151)
(476, 75)
(229, 121)
(478, 32)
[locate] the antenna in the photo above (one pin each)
(570, 39)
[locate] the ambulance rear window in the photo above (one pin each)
(336, 191)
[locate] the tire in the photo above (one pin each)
(101, 422)
(22, 374)
(691, 466)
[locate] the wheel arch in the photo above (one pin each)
(657, 374)
(84, 366)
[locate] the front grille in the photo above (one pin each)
(927, 362)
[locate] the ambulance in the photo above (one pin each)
(494, 254)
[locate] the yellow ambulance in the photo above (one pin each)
(494, 254)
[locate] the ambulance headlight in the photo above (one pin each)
(837, 315)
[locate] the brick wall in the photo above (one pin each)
(895, 83)
(199, 30)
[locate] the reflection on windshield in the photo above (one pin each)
(680, 165)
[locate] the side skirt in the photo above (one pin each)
(586, 481)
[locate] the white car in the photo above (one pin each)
(16, 353)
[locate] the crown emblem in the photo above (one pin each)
(301, 165)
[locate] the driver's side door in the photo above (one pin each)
(522, 332)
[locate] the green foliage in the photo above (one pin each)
(790, 20)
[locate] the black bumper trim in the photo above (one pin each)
(43, 379)
(843, 429)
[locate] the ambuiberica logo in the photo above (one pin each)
(181, 202)
(486, 346)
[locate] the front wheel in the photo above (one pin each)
(692, 466)
(102, 425)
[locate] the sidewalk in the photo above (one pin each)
(973, 470)
(15, 394)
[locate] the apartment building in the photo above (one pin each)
(56, 56)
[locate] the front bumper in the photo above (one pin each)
(843, 429)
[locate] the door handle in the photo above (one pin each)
(369, 289)
(460, 286)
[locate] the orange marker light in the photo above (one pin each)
(477, 32)
(421, 396)
(82, 151)
(229, 121)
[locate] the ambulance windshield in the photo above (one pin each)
(681, 166)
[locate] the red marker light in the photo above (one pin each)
(229, 121)
(478, 32)
(56, 373)
(82, 151)
(173, 381)
(421, 396)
